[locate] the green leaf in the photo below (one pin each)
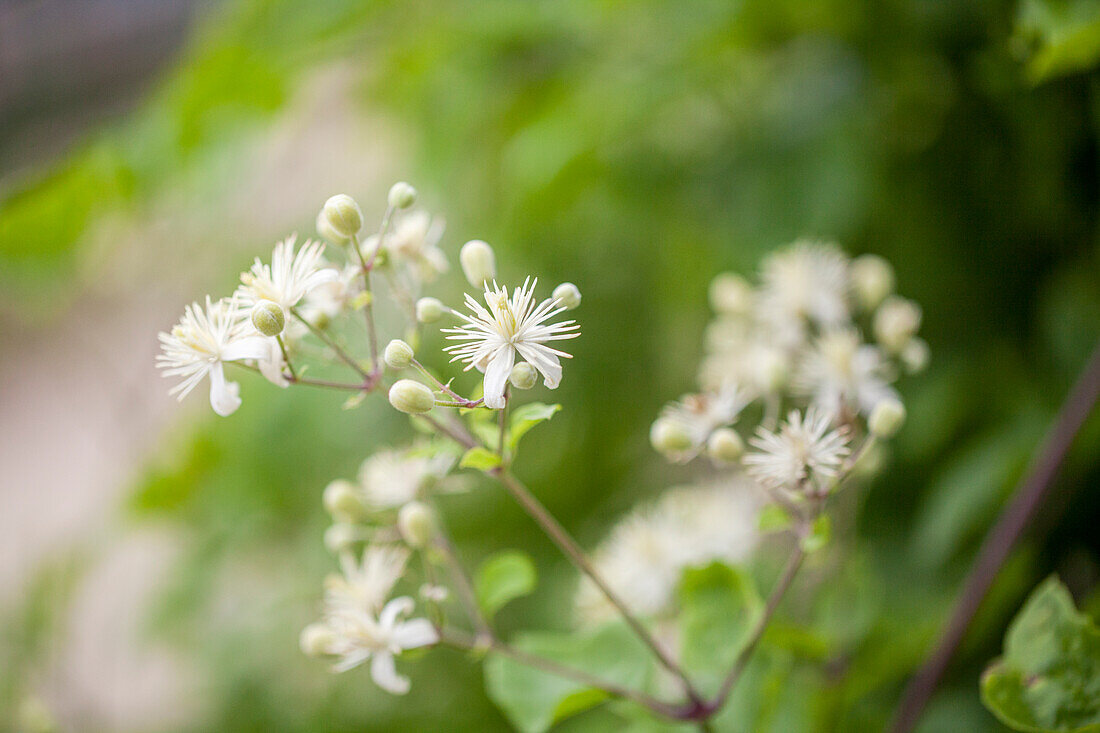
(504, 577)
(533, 700)
(1062, 36)
(480, 458)
(526, 417)
(719, 605)
(1049, 677)
(774, 518)
(820, 532)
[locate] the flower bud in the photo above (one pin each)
(567, 295)
(669, 436)
(429, 310)
(886, 418)
(342, 536)
(915, 355)
(725, 446)
(398, 354)
(342, 501)
(411, 397)
(402, 195)
(730, 294)
(872, 280)
(523, 376)
(771, 370)
(478, 262)
(268, 318)
(316, 640)
(343, 215)
(327, 232)
(896, 321)
(416, 523)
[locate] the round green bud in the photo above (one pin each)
(398, 354)
(268, 318)
(772, 370)
(886, 418)
(669, 436)
(411, 397)
(342, 537)
(342, 501)
(730, 294)
(429, 310)
(316, 640)
(725, 446)
(478, 262)
(523, 376)
(416, 523)
(402, 195)
(327, 232)
(915, 355)
(568, 295)
(896, 321)
(343, 215)
(872, 280)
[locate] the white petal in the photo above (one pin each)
(250, 347)
(272, 366)
(384, 673)
(393, 609)
(496, 376)
(416, 633)
(543, 360)
(224, 396)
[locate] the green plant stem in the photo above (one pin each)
(463, 586)
(459, 400)
(286, 357)
(340, 353)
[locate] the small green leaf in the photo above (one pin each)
(480, 458)
(1061, 36)
(820, 532)
(774, 518)
(719, 605)
(526, 417)
(1049, 677)
(503, 578)
(533, 700)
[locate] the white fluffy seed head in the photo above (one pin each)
(725, 446)
(416, 523)
(402, 195)
(523, 376)
(398, 354)
(268, 318)
(343, 215)
(478, 262)
(429, 310)
(567, 295)
(412, 397)
(886, 418)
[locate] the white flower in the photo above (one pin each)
(415, 239)
(645, 554)
(510, 325)
(358, 636)
(201, 342)
(699, 415)
(841, 374)
(806, 281)
(804, 450)
(365, 585)
(289, 277)
(329, 299)
(393, 477)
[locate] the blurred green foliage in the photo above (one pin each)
(637, 150)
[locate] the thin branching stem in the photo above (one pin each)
(343, 355)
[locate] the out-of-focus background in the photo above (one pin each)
(157, 562)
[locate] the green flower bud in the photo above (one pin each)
(411, 397)
(398, 354)
(478, 262)
(886, 418)
(730, 294)
(316, 640)
(915, 355)
(896, 321)
(568, 295)
(523, 376)
(342, 537)
(343, 502)
(669, 436)
(402, 195)
(268, 318)
(429, 310)
(327, 232)
(416, 523)
(725, 446)
(872, 280)
(343, 215)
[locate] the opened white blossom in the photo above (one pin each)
(699, 415)
(199, 345)
(803, 454)
(513, 325)
(367, 583)
(415, 240)
(289, 277)
(393, 477)
(842, 375)
(806, 281)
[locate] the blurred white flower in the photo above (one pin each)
(510, 325)
(415, 240)
(366, 584)
(330, 298)
(806, 281)
(804, 450)
(699, 415)
(289, 277)
(391, 478)
(843, 375)
(201, 342)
